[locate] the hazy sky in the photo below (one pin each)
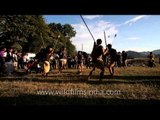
(134, 32)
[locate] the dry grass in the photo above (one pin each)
(131, 85)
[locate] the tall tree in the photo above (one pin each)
(28, 31)
(31, 33)
(66, 32)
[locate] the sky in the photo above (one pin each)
(133, 32)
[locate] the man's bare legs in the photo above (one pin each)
(91, 72)
(111, 68)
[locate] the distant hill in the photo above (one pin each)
(156, 52)
(145, 53)
(134, 54)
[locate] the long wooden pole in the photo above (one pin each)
(42, 40)
(105, 38)
(87, 28)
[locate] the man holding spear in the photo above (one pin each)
(110, 57)
(105, 56)
(97, 54)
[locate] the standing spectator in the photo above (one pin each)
(151, 59)
(24, 60)
(15, 59)
(62, 58)
(2, 60)
(89, 61)
(9, 61)
(19, 56)
(76, 62)
(124, 57)
(119, 59)
(80, 62)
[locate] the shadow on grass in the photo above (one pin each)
(58, 100)
(94, 79)
(133, 77)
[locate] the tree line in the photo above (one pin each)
(30, 33)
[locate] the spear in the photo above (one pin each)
(94, 45)
(115, 35)
(42, 40)
(56, 41)
(87, 28)
(105, 38)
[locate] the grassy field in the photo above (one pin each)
(129, 86)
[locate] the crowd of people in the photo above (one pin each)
(110, 58)
(47, 59)
(11, 59)
(44, 61)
